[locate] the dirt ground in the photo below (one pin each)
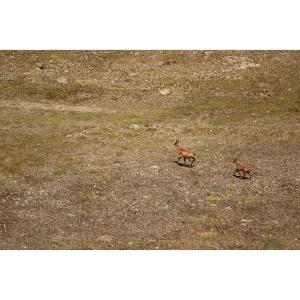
(87, 155)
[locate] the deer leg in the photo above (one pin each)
(238, 173)
(193, 159)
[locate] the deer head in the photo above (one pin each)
(176, 143)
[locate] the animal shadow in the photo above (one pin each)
(241, 177)
(183, 165)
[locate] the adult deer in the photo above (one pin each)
(185, 154)
(241, 168)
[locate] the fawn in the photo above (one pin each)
(185, 154)
(239, 167)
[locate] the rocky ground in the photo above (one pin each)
(87, 159)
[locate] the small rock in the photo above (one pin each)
(155, 167)
(253, 65)
(133, 74)
(165, 92)
(134, 126)
(243, 67)
(245, 221)
(167, 62)
(151, 128)
(62, 80)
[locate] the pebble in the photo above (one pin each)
(165, 92)
(62, 80)
(245, 221)
(155, 167)
(134, 126)
(167, 62)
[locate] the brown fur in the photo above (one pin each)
(239, 167)
(185, 154)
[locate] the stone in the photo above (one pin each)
(155, 167)
(243, 67)
(253, 65)
(245, 221)
(62, 80)
(165, 92)
(167, 62)
(250, 65)
(134, 126)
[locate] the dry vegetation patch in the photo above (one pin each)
(87, 159)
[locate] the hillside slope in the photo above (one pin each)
(87, 159)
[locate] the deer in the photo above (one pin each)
(239, 167)
(185, 154)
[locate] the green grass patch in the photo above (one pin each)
(12, 89)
